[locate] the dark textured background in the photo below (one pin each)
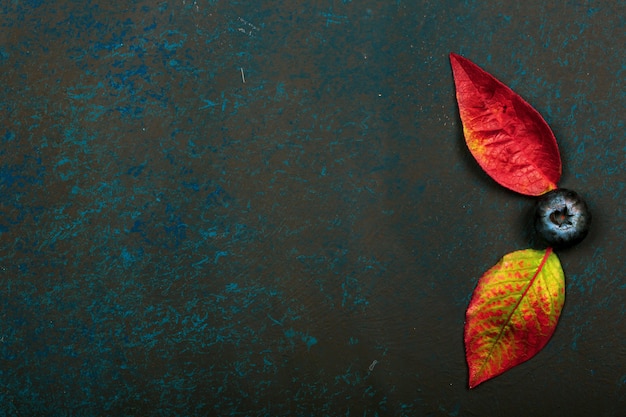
(174, 241)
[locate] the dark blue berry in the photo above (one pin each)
(562, 218)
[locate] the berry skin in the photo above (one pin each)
(562, 218)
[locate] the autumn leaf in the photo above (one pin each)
(513, 312)
(507, 136)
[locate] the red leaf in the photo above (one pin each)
(513, 312)
(507, 136)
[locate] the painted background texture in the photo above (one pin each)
(267, 208)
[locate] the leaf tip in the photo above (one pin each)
(476, 378)
(455, 60)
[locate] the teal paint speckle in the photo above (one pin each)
(307, 339)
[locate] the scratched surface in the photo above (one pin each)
(216, 208)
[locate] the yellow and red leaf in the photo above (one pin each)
(507, 136)
(513, 312)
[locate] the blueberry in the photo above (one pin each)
(562, 218)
